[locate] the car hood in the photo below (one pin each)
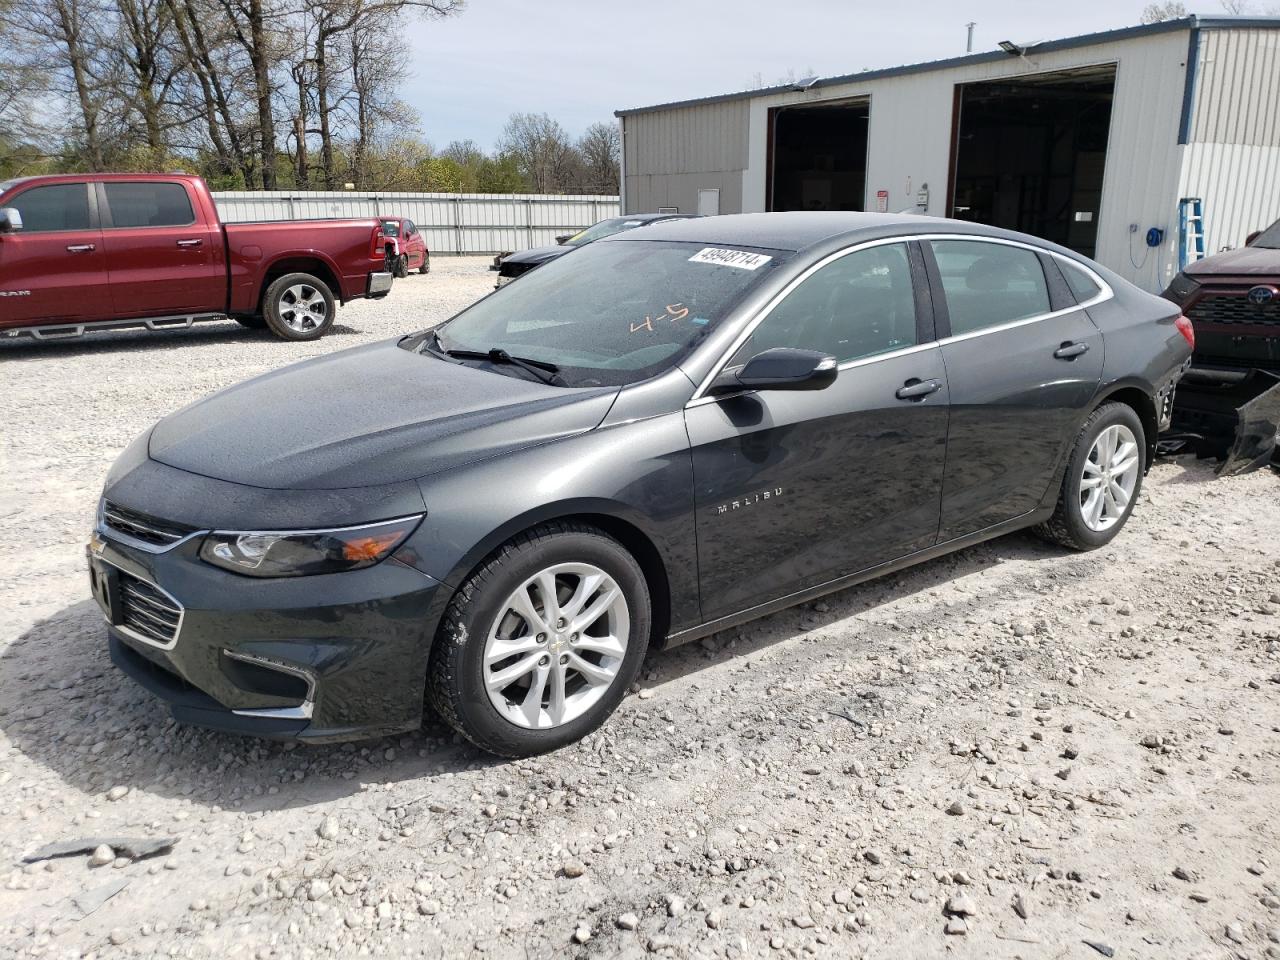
(368, 416)
(538, 254)
(1243, 260)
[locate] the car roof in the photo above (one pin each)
(801, 230)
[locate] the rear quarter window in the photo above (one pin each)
(149, 205)
(988, 284)
(1083, 286)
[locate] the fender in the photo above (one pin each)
(299, 254)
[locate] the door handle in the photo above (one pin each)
(915, 389)
(190, 243)
(81, 248)
(1069, 350)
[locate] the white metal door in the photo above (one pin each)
(709, 202)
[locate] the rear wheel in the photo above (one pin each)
(297, 306)
(539, 646)
(1102, 482)
(401, 266)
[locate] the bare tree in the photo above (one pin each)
(542, 150)
(600, 150)
(1168, 10)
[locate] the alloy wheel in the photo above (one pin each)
(1109, 476)
(556, 645)
(303, 307)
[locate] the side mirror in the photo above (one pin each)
(782, 368)
(10, 220)
(562, 240)
(1248, 241)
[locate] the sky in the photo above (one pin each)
(579, 60)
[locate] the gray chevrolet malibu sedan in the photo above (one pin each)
(671, 432)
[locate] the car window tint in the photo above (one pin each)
(857, 306)
(149, 205)
(987, 284)
(63, 206)
(1083, 286)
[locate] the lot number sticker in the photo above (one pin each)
(730, 258)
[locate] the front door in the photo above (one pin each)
(162, 261)
(53, 270)
(1020, 381)
(793, 489)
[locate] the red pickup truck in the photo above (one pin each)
(82, 252)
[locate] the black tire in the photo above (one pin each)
(401, 269)
(278, 307)
(1067, 526)
(253, 323)
(426, 264)
(455, 676)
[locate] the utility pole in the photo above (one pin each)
(968, 47)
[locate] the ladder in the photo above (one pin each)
(1190, 230)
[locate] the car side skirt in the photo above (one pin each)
(71, 331)
(870, 573)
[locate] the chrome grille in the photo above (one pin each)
(1235, 310)
(148, 611)
(139, 526)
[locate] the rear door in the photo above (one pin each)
(793, 489)
(1023, 365)
(161, 259)
(54, 269)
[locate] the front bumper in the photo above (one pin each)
(379, 284)
(330, 657)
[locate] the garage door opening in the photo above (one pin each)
(818, 156)
(1030, 152)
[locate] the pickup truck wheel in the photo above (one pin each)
(297, 306)
(402, 266)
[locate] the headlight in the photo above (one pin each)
(303, 553)
(1181, 289)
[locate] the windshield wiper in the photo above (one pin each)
(544, 371)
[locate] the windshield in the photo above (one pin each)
(1269, 238)
(605, 228)
(391, 228)
(611, 314)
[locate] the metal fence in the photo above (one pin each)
(452, 223)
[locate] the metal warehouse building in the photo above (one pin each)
(1101, 142)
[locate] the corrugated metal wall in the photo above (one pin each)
(672, 154)
(910, 141)
(465, 223)
(1233, 159)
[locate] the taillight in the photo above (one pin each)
(375, 250)
(1184, 327)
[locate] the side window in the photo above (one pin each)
(409, 228)
(1083, 286)
(987, 284)
(857, 306)
(63, 206)
(149, 205)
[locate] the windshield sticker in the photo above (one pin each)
(730, 258)
(675, 312)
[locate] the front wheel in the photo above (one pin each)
(1102, 482)
(539, 646)
(297, 306)
(426, 264)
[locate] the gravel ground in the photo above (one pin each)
(1009, 752)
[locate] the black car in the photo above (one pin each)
(686, 427)
(517, 264)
